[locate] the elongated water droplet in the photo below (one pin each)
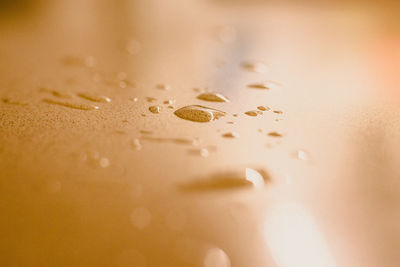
(150, 99)
(213, 97)
(231, 135)
(163, 87)
(244, 178)
(258, 67)
(274, 134)
(203, 152)
(253, 113)
(263, 108)
(71, 105)
(56, 93)
(264, 85)
(145, 132)
(94, 97)
(13, 102)
(199, 113)
(169, 102)
(155, 109)
(278, 111)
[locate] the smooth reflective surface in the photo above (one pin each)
(90, 176)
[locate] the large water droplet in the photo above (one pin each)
(199, 113)
(213, 97)
(227, 181)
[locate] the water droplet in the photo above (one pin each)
(231, 135)
(278, 112)
(143, 115)
(71, 105)
(13, 102)
(203, 152)
(170, 107)
(258, 67)
(197, 90)
(169, 102)
(56, 93)
(216, 257)
(275, 134)
(104, 162)
(163, 87)
(230, 122)
(95, 98)
(155, 109)
(121, 75)
(235, 115)
(268, 85)
(135, 99)
(199, 113)
(213, 97)
(140, 217)
(150, 99)
(259, 130)
(90, 61)
(253, 113)
(301, 155)
(136, 145)
(227, 181)
(263, 108)
(182, 141)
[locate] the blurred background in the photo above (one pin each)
(121, 186)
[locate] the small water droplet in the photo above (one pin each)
(213, 97)
(231, 135)
(90, 61)
(135, 99)
(155, 109)
(121, 75)
(231, 122)
(268, 85)
(253, 113)
(278, 111)
(94, 97)
(301, 155)
(145, 132)
(199, 113)
(136, 145)
(263, 108)
(235, 115)
(169, 102)
(259, 130)
(140, 217)
(170, 107)
(150, 99)
(274, 134)
(216, 257)
(258, 67)
(164, 87)
(71, 105)
(104, 162)
(197, 90)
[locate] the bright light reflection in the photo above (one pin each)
(293, 238)
(255, 178)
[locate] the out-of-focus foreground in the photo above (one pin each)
(199, 133)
